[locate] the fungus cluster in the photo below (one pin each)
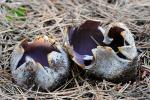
(108, 53)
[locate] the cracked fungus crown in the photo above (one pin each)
(42, 62)
(107, 53)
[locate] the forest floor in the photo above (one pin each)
(30, 18)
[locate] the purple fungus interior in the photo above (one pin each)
(118, 40)
(37, 51)
(81, 38)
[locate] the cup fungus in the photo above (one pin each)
(108, 54)
(41, 62)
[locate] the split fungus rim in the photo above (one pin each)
(88, 36)
(38, 50)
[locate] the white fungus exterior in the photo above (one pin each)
(106, 63)
(46, 77)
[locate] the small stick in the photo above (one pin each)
(95, 40)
